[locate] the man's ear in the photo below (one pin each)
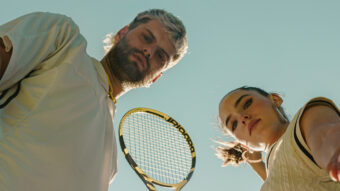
(156, 78)
(122, 32)
(276, 99)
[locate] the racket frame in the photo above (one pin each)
(148, 181)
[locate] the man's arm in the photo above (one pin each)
(4, 58)
(34, 38)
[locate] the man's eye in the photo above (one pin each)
(147, 38)
(233, 125)
(247, 103)
(161, 57)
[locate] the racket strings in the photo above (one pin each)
(162, 141)
(157, 147)
(152, 139)
(163, 154)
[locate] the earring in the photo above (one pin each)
(281, 116)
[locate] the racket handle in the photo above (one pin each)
(180, 185)
(150, 187)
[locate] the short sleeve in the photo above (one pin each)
(322, 101)
(34, 38)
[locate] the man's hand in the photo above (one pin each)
(4, 58)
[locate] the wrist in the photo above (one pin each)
(255, 157)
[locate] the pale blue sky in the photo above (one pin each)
(291, 47)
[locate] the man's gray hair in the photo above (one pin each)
(171, 23)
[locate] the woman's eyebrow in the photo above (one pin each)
(239, 99)
(227, 121)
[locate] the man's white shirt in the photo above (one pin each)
(56, 119)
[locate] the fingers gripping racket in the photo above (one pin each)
(157, 147)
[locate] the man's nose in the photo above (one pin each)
(148, 52)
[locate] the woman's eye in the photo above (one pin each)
(247, 103)
(233, 125)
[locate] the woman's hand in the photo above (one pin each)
(333, 167)
(250, 155)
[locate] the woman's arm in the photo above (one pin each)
(259, 167)
(233, 153)
(320, 126)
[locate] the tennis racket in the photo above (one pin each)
(157, 147)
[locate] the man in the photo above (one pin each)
(56, 102)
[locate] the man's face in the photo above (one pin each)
(142, 54)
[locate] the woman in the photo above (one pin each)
(303, 154)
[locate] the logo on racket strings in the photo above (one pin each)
(184, 133)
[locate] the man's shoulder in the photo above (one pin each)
(45, 14)
(47, 17)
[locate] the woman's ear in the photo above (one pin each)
(276, 99)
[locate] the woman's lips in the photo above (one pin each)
(252, 125)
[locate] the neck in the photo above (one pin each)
(281, 131)
(117, 88)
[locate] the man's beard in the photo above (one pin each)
(125, 70)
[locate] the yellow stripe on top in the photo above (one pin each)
(111, 90)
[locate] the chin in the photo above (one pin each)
(128, 85)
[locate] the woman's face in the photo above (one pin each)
(251, 118)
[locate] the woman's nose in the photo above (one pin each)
(245, 118)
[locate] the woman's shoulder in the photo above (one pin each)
(318, 107)
(316, 101)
